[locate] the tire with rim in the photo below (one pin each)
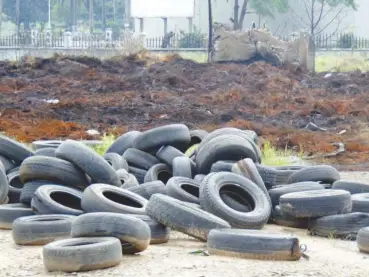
(116, 161)
(316, 203)
(254, 244)
(159, 232)
(14, 150)
(184, 189)
(238, 187)
(125, 141)
(82, 254)
(133, 233)
(353, 187)
(10, 212)
(147, 189)
(159, 172)
(183, 217)
(83, 157)
(140, 159)
(324, 173)
(362, 240)
(41, 229)
(106, 198)
(52, 199)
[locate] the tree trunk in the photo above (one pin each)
(91, 16)
(210, 42)
(17, 15)
(235, 14)
(1, 16)
(312, 23)
(243, 14)
(103, 15)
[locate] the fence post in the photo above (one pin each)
(310, 54)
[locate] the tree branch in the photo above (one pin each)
(330, 22)
(243, 13)
(320, 14)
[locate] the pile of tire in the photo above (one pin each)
(211, 186)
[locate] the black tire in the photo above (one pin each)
(29, 190)
(176, 135)
(197, 136)
(4, 186)
(159, 172)
(353, 187)
(147, 189)
(324, 173)
(125, 141)
(254, 244)
(284, 172)
(52, 169)
(183, 217)
(133, 233)
(127, 180)
(15, 187)
(138, 173)
(6, 201)
(53, 199)
(268, 174)
(223, 147)
(41, 229)
(167, 154)
(106, 198)
(339, 226)
(14, 169)
(47, 151)
(82, 254)
(39, 144)
(236, 185)
(277, 192)
(184, 189)
(116, 161)
(7, 163)
(182, 167)
(222, 166)
(199, 177)
(362, 240)
(282, 219)
(88, 161)
(10, 212)
(360, 202)
(159, 232)
(140, 159)
(316, 203)
(14, 150)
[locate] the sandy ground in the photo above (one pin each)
(328, 257)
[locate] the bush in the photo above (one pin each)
(347, 40)
(195, 39)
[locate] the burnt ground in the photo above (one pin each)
(139, 92)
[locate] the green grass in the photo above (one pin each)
(347, 63)
(272, 156)
(107, 140)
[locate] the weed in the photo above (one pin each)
(276, 157)
(107, 140)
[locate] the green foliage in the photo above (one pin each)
(195, 39)
(29, 10)
(276, 157)
(269, 7)
(107, 140)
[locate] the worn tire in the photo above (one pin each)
(147, 189)
(316, 203)
(167, 154)
(159, 172)
(199, 177)
(140, 159)
(183, 167)
(222, 166)
(360, 202)
(116, 161)
(14, 150)
(83, 157)
(29, 190)
(133, 233)
(184, 189)
(268, 174)
(339, 226)
(41, 229)
(197, 136)
(52, 169)
(362, 240)
(4, 186)
(82, 254)
(282, 219)
(53, 199)
(159, 232)
(7, 163)
(47, 151)
(15, 187)
(176, 135)
(127, 180)
(183, 217)
(324, 173)
(253, 244)
(10, 212)
(138, 173)
(39, 144)
(211, 201)
(106, 198)
(284, 172)
(125, 141)
(353, 187)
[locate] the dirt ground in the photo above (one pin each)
(65, 96)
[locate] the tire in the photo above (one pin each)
(324, 173)
(253, 244)
(159, 232)
(29, 190)
(116, 161)
(184, 189)
(147, 189)
(183, 217)
(199, 177)
(140, 159)
(126, 179)
(362, 240)
(47, 151)
(14, 150)
(182, 167)
(52, 169)
(138, 173)
(353, 187)
(6, 201)
(53, 199)
(197, 136)
(339, 226)
(41, 229)
(4, 186)
(360, 202)
(223, 147)
(277, 192)
(282, 219)
(82, 254)
(268, 174)
(14, 169)
(15, 187)
(159, 172)
(10, 212)
(106, 198)
(7, 163)
(222, 166)
(211, 201)
(284, 172)
(133, 233)
(316, 203)
(125, 141)
(176, 135)
(39, 144)
(88, 161)
(167, 154)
